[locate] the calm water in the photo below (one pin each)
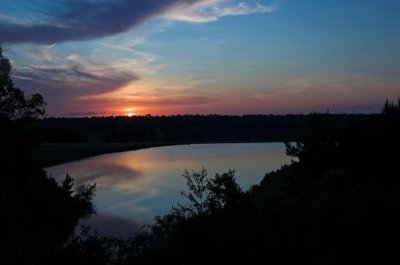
(134, 186)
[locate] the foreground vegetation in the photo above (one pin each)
(37, 215)
(338, 203)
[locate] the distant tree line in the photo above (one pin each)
(189, 128)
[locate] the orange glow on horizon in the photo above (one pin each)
(129, 112)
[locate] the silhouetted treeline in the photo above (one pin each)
(189, 128)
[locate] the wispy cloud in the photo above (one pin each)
(65, 79)
(85, 19)
(336, 91)
(212, 10)
(81, 19)
(78, 71)
(144, 96)
(114, 71)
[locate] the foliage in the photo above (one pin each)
(14, 104)
(391, 108)
(88, 247)
(206, 196)
(38, 215)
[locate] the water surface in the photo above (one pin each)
(134, 186)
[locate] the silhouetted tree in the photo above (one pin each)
(208, 195)
(37, 214)
(391, 108)
(90, 248)
(14, 104)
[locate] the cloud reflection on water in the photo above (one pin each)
(109, 175)
(144, 183)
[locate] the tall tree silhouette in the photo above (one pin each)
(13, 102)
(38, 215)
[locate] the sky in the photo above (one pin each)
(167, 57)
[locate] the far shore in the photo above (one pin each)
(52, 154)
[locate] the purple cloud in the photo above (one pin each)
(84, 20)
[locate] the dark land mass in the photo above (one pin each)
(57, 153)
(69, 139)
(186, 128)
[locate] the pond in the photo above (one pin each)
(134, 186)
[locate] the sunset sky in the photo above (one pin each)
(113, 57)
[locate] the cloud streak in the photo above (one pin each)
(209, 11)
(80, 74)
(65, 79)
(82, 20)
(86, 19)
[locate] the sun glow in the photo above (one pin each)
(129, 112)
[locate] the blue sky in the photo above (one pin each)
(111, 57)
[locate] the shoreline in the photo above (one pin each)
(53, 154)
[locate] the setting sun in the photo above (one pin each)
(130, 114)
